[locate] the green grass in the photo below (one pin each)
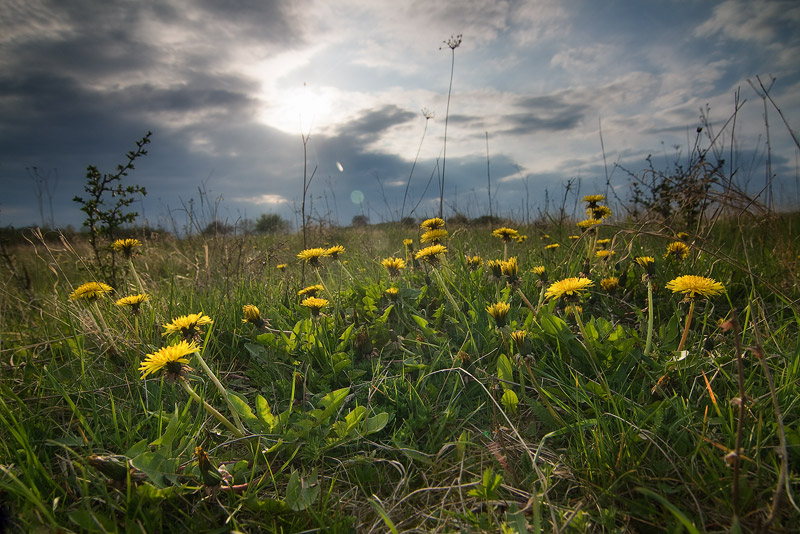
(415, 414)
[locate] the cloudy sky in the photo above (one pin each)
(230, 88)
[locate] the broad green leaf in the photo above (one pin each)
(505, 371)
(344, 427)
(376, 423)
(342, 365)
(156, 466)
(345, 338)
(331, 404)
(302, 492)
(256, 351)
(166, 439)
(510, 401)
(89, 520)
(264, 413)
(242, 408)
(385, 317)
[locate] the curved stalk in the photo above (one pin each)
(649, 343)
(686, 326)
(222, 390)
(213, 411)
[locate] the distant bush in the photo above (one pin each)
(271, 223)
(218, 228)
(359, 221)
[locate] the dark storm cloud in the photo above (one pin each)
(550, 113)
(82, 80)
(373, 122)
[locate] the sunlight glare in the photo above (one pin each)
(302, 109)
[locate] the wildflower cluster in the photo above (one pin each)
(312, 256)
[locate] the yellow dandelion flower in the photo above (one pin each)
(603, 254)
(126, 246)
(574, 237)
(588, 224)
(499, 312)
(506, 234)
(645, 261)
(187, 325)
(474, 262)
(522, 239)
(90, 291)
(603, 242)
(609, 284)
(252, 315)
(310, 291)
(691, 286)
(552, 246)
(435, 236)
(682, 236)
(677, 250)
(496, 267)
(169, 358)
(592, 200)
(392, 293)
(409, 243)
(568, 287)
(334, 251)
(394, 265)
(430, 254)
(312, 255)
(540, 271)
(520, 339)
(314, 304)
(599, 212)
(133, 302)
(281, 266)
(432, 224)
(510, 269)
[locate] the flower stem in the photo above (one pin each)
(541, 299)
(686, 326)
(543, 397)
(588, 345)
(210, 409)
(136, 276)
(222, 390)
(649, 344)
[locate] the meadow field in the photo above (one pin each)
(577, 375)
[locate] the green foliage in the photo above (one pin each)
(107, 201)
(270, 224)
(406, 411)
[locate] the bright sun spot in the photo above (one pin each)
(301, 109)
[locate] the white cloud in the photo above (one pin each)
(270, 199)
(747, 20)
